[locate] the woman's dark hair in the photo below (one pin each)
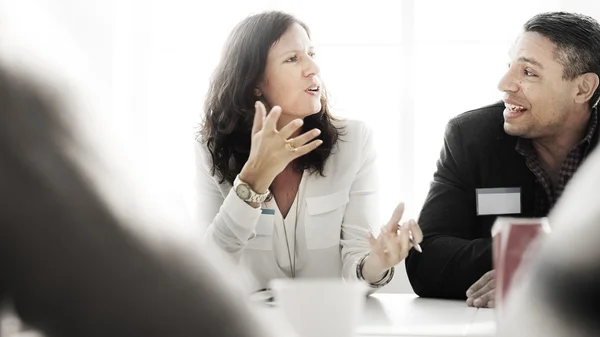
(577, 38)
(229, 106)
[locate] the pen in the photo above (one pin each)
(396, 216)
(416, 246)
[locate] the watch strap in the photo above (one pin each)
(254, 196)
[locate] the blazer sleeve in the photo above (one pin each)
(453, 258)
(227, 223)
(360, 214)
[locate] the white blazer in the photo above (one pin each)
(333, 217)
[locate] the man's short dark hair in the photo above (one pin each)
(577, 38)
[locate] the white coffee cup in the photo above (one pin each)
(320, 307)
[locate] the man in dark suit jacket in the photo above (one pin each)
(512, 158)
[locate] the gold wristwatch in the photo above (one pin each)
(245, 192)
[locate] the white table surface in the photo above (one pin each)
(408, 315)
(483, 324)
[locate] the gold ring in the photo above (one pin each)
(289, 146)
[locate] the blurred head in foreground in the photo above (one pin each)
(81, 255)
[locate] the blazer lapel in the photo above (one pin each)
(511, 170)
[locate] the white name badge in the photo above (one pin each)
(498, 200)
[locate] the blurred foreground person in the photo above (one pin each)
(559, 294)
(80, 254)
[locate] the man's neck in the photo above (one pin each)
(553, 150)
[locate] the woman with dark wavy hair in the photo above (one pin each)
(292, 192)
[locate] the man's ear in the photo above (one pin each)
(588, 83)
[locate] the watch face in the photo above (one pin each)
(243, 192)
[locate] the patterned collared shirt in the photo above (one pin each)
(546, 194)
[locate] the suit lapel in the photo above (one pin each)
(510, 170)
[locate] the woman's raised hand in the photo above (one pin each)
(272, 150)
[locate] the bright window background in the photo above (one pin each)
(405, 67)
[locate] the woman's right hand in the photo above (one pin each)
(272, 150)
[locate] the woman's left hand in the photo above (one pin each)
(391, 246)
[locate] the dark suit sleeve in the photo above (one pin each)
(453, 258)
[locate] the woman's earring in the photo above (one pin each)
(257, 92)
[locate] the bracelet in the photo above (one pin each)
(387, 278)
